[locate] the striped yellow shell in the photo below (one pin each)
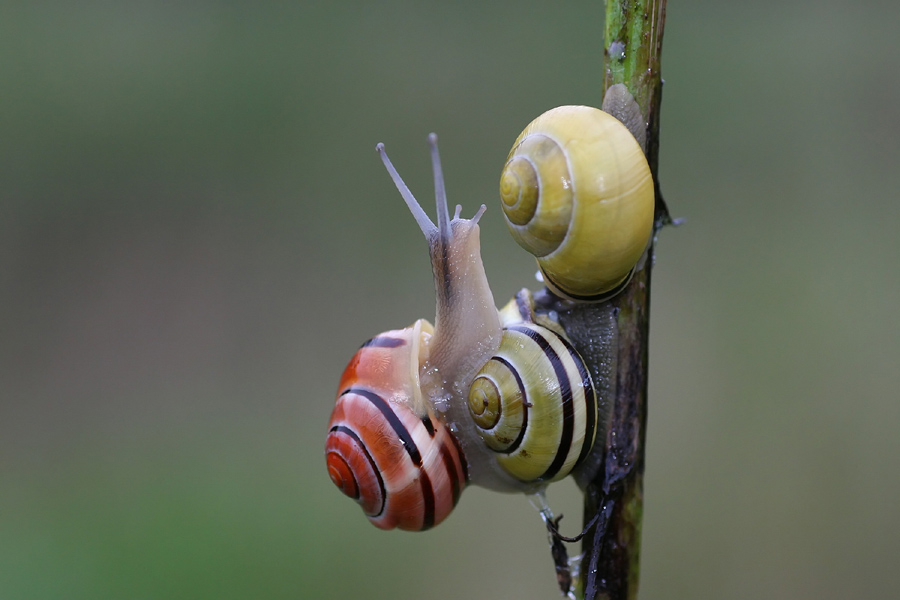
(577, 193)
(534, 404)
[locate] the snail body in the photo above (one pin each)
(577, 193)
(420, 375)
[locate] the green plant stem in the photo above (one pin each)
(611, 550)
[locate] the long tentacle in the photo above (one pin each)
(440, 192)
(421, 218)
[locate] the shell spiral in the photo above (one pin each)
(534, 404)
(577, 193)
(401, 464)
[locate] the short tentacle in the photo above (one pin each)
(478, 214)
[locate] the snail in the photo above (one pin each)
(423, 411)
(577, 193)
(499, 399)
(533, 403)
(384, 448)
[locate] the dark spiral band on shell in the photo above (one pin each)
(416, 488)
(542, 420)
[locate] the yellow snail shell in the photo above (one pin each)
(577, 193)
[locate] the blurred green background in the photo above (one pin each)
(196, 234)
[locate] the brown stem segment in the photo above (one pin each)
(611, 559)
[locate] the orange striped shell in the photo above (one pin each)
(385, 449)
